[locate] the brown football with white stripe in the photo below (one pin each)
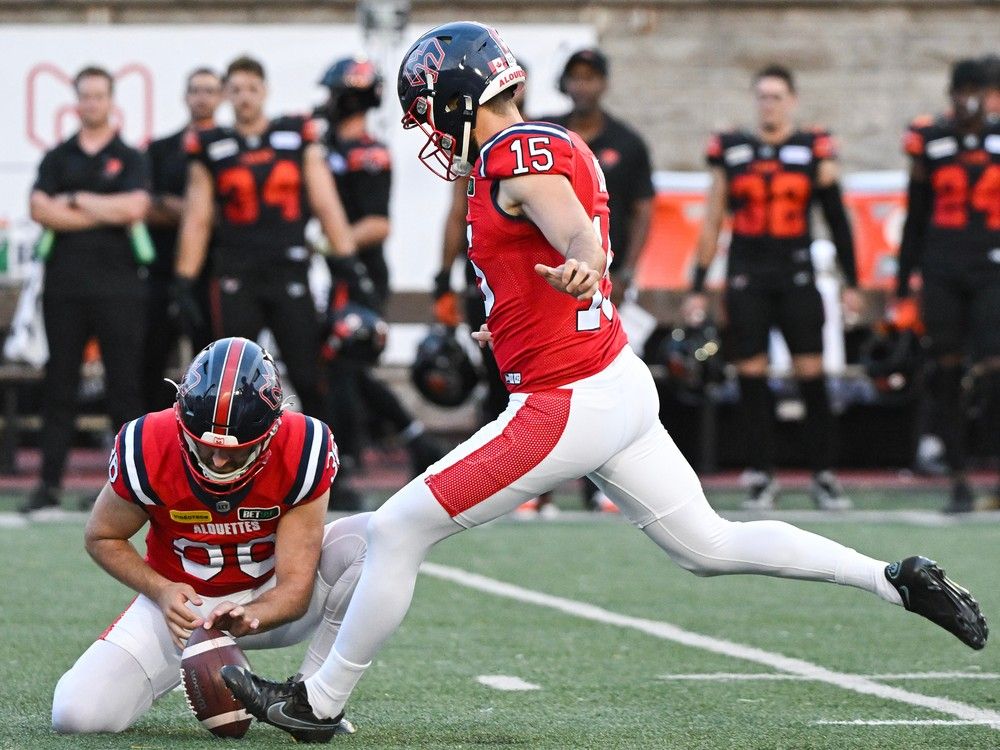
(208, 697)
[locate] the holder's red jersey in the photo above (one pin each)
(542, 338)
(219, 544)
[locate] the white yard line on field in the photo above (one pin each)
(907, 722)
(669, 632)
(753, 676)
(506, 682)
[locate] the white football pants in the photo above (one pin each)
(605, 427)
(135, 662)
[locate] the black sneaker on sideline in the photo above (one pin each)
(762, 490)
(282, 704)
(961, 500)
(43, 496)
(827, 493)
(926, 590)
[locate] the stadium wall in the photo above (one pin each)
(680, 67)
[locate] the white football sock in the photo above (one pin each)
(332, 684)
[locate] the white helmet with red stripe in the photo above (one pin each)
(230, 398)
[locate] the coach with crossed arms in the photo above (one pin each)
(90, 190)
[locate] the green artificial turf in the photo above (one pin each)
(601, 686)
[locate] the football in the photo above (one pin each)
(208, 697)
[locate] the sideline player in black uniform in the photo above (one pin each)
(265, 176)
(952, 235)
(767, 180)
(362, 169)
(168, 169)
(90, 189)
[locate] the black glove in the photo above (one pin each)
(442, 283)
(184, 307)
(354, 273)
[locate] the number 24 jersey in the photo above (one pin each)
(542, 338)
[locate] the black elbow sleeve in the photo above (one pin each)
(831, 201)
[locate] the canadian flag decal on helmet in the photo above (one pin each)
(429, 57)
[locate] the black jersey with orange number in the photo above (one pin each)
(259, 191)
(770, 189)
(963, 228)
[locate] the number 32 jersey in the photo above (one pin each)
(542, 338)
(770, 189)
(219, 544)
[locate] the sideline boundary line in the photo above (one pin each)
(667, 631)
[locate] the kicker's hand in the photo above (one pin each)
(233, 618)
(574, 277)
(172, 601)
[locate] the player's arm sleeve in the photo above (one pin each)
(127, 472)
(831, 202)
(538, 150)
(48, 174)
(911, 248)
(319, 465)
(918, 210)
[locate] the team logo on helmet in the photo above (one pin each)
(425, 62)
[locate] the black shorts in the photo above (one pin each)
(753, 309)
(961, 311)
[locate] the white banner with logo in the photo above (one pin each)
(150, 65)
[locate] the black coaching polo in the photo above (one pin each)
(99, 260)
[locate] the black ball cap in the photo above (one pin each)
(589, 56)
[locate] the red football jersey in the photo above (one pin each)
(542, 338)
(217, 544)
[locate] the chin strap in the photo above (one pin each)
(460, 163)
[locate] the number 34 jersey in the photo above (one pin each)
(963, 170)
(542, 338)
(770, 189)
(219, 544)
(259, 191)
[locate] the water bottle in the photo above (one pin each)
(44, 247)
(4, 244)
(142, 244)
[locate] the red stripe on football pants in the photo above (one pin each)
(524, 443)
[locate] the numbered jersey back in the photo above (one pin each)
(770, 189)
(219, 544)
(964, 174)
(542, 338)
(259, 189)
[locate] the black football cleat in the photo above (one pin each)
(282, 704)
(926, 590)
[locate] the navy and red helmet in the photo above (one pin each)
(230, 397)
(354, 84)
(444, 77)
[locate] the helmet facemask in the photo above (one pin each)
(229, 481)
(445, 155)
